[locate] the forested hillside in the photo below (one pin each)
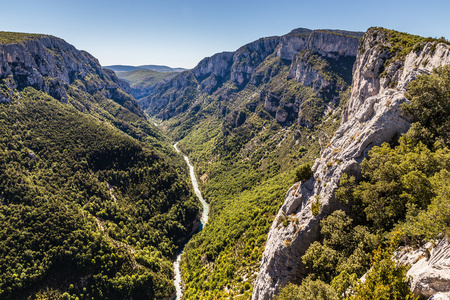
(143, 82)
(253, 122)
(323, 155)
(93, 201)
(247, 119)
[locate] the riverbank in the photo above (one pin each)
(203, 220)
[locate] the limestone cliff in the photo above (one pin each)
(372, 116)
(430, 269)
(51, 65)
(255, 64)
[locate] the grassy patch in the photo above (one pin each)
(17, 37)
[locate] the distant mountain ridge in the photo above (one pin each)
(157, 68)
(143, 81)
(256, 64)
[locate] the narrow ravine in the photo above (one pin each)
(203, 221)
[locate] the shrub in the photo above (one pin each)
(303, 172)
(315, 206)
(308, 290)
(345, 247)
(430, 105)
(386, 279)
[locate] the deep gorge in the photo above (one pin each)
(299, 142)
(203, 220)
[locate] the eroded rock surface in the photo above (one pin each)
(430, 275)
(373, 116)
(225, 73)
(430, 269)
(51, 65)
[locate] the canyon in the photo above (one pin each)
(76, 143)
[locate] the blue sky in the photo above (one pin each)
(179, 33)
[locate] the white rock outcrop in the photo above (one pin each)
(430, 275)
(440, 296)
(373, 116)
(430, 269)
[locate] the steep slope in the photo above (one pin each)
(92, 203)
(255, 64)
(247, 119)
(51, 65)
(387, 61)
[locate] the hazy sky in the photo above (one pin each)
(179, 33)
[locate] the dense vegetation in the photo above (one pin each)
(90, 212)
(86, 210)
(385, 280)
(245, 157)
(244, 199)
(221, 261)
(403, 197)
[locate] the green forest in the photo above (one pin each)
(87, 211)
(245, 170)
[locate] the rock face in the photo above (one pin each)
(331, 43)
(228, 72)
(51, 65)
(440, 296)
(430, 269)
(373, 116)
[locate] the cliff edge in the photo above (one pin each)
(51, 65)
(372, 116)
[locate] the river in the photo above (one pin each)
(203, 221)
